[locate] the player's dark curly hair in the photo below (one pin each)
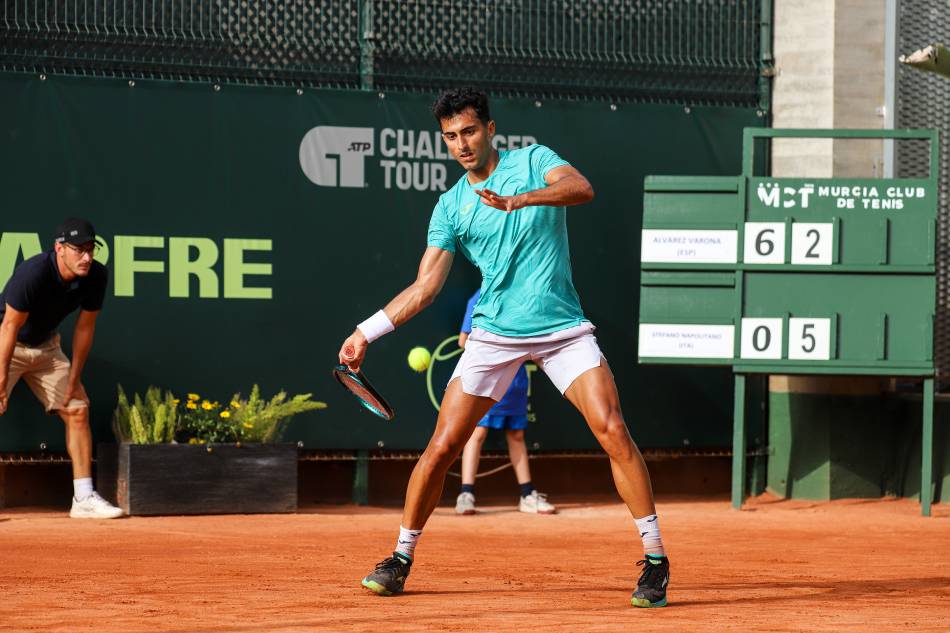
(451, 102)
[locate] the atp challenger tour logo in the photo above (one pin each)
(332, 156)
(336, 156)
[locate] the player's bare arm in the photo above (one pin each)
(13, 320)
(433, 271)
(82, 342)
(566, 187)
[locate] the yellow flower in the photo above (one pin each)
(248, 425)
(193, 397)
(175, 401)
(207, 406)
(215, 404)
(191, 405)
(225, 414)
(235, 404)
(193, 440)
(202, 441)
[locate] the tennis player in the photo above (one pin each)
(507, 216)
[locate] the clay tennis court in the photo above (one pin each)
(775, 566)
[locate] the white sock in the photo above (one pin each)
(649, 528)
(406, 543)
(82, 488)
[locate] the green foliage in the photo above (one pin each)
(160, 418)
(146, 421)
(265, 421)
(121, 419)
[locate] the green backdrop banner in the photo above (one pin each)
(247, 231)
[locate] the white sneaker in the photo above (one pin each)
(536, 503)
(465, 503)
(94, 507)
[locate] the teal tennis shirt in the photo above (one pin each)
(523, 256)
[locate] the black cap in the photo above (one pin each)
(75, 231)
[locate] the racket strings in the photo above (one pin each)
(364, 394)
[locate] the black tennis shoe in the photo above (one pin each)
(390, 575)
(651, 587)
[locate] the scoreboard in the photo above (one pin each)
(792, 275)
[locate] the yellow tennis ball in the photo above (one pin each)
(419, 358)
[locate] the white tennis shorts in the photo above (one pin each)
(490, 361)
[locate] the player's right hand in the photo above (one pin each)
(353, 350)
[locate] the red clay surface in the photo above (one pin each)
(775, 566)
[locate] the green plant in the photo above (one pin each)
(149, 420)
(160, 419)
(265, 421)
(204, 421)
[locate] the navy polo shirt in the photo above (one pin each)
(36, 287)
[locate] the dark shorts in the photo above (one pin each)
(512, 422)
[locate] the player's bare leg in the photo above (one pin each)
(458, 417)
(594, 393)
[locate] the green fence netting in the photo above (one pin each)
(697, 51)
(313, 42)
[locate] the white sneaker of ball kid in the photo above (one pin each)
(536, 503)
(465, 503)
(94, 507)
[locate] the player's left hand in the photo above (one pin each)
(503, 203)
(74, 391)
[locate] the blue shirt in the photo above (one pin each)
(36, 287)
(523, 256)
(515, 400)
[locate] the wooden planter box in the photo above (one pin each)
(150, 479)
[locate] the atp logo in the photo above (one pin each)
(333, 156)
(410, 160)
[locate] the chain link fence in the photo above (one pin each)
(689, 51)
(923, 101)
(313, 42)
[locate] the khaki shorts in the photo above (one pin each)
(490, 361)
(45, 369)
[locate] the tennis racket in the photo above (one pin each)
(357, 384)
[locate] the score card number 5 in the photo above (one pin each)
(808, 338)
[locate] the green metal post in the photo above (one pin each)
(738, 443)
(367, 45)
(759, 468)
(927, 449)
(765, 57)
(361, 478)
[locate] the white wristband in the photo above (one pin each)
(375, 326)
